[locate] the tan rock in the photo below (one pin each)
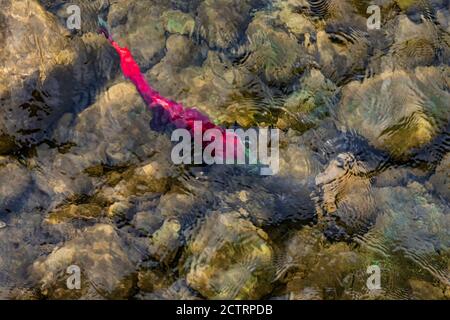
(397, 111)
(229, 258)
(103, 261)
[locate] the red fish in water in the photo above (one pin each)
(174, 113)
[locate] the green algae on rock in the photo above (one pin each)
(405, 4)
(178, 22)
(82, 211)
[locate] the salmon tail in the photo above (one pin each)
(104, 28)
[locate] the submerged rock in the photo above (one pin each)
(90, 11)
(315, 269)
(152, 178)
(397, 111)
(82, 211)
(38, 57)
(23, 241)
(298, 161)
(105, 262)
(178, 22)
(229, 258)
(119, 209)
(98, 134)
(139, 26)
(364, 118)
(341, 57)
(398, 176)
(416, 44)
(153, 280)
(14, 196)
(345, 195)
(7, 144)
(179, 290)
(299, 252)
(305, 107)
(298, 24)
(147, 222)
(423, 290)
(440, 180)
(412, 226)
(181, 51)
(106, 142)
(273, 52)
(174, 204)
(99, 131)
(209, 83)
(222, 22)
(165, 242)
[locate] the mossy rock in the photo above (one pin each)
(139, 185)
(95, 171)
(178, 22)
(140, 180)
(73, 211)
(79, 207)
(246, 114)
(405, 4)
